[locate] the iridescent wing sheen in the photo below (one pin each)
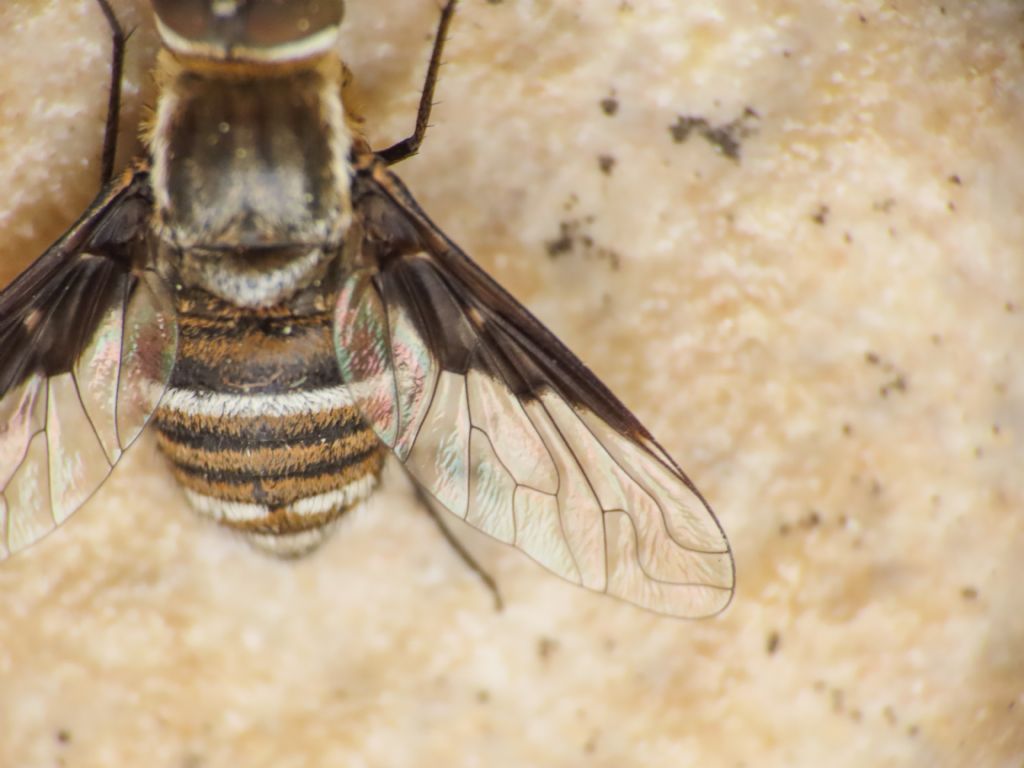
(87, 341)
(505, 427)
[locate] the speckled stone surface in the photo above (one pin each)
(787, 234)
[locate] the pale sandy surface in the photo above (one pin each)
(826, 331)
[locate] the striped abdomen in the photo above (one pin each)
(260, 430)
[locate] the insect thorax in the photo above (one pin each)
(251, 176)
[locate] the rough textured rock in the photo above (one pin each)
(787, 234)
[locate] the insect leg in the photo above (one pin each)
(409, 146)
(428, 502)
(117, 44)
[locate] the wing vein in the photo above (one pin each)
(652, 496)
(49, 466)
(88, 418)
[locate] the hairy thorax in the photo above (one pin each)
(251, 176)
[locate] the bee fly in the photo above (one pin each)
(264, 289)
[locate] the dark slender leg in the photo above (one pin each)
(117, 41)
(428, 501)
(408, 147)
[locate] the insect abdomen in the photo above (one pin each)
(259, 428)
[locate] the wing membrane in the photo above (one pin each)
(506, 428)
(87, 342)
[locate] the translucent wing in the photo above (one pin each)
(505, 427)
(87, 341)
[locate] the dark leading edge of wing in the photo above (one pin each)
(49, 312)
(505, 427)
(86, 345)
